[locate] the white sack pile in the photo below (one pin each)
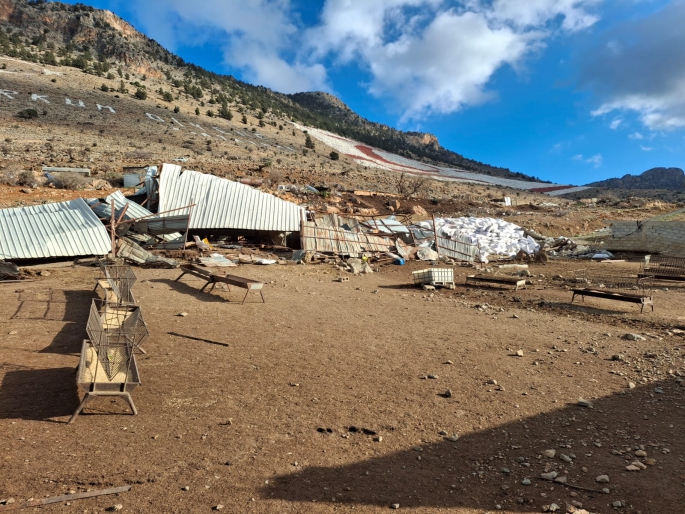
(494, 236)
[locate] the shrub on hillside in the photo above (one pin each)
(69, 180)
(27, 114)
(334, 156)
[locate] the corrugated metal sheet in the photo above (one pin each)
(462, 249)
(336, 221)
(388, 225)
(223, 204)
(343, 242)
(104, 210)
(65, 229)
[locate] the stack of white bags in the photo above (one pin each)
(493, 236)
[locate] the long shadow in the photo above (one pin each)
(38, 394)
(484, 469)
(589, 309)
(74, 310)
(192, 290)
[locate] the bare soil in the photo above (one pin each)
(265, 423)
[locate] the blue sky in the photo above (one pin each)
(566, 90)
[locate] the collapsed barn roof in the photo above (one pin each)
(224, 204)
(64, 229)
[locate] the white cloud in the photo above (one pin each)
(595, 160)
(257, 37)
(636, 135)
(615, 123)
(535, 13)
(641, 70)
(646, 148)
(423, 56)
(437, 56)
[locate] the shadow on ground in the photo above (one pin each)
(38, 394)
(485, 469)
(192, 288)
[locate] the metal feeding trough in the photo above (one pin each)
(108, 365)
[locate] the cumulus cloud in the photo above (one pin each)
(595, 160)
(615, 123)
(636, 135)
(640, 68)
(258, 37)
(423, 56)
(435, 56)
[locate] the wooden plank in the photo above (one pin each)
(65, 498)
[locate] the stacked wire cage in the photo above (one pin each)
(116, 330)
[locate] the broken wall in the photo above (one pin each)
(667, 237)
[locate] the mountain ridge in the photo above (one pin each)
(75, 35)
(654, 178)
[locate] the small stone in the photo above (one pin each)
(427, 287)
(549, 453)
(618, 357)
(526, 481)
(186, 488)
(395, 506)
(549, 476)
(182, 314)
(449, 362)
(519, 353)
(492, 381)
(631, 385)
(602, 479)
(44, 273)
(506, 471)
(634, 337)
(454, 438)
(638, 464)
(565, 458)
(606, 490)
(650, 462)
(617, 504)
(640, 453)
(584, 403)
(13, 333)
(118, 506)
(658, 390)
(561, 480)
(632, 467)
(432, 377)
(378, 439)
(218, 507)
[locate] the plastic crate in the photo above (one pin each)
(433, 275)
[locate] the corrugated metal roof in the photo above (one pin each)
(134, 211)
(223, 204)
(343, 242)
(65, 229)
(104, 210)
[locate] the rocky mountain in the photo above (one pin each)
(99, 42)
(656, 178)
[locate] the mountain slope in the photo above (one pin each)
(656, 178)
(98, 41)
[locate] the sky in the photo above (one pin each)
(570, 91)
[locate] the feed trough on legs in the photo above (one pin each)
(108, 365)
(618, 287)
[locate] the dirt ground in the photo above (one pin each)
(322, 399)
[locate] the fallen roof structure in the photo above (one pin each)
(64, 229)
(224, 204)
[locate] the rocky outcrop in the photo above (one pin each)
(656, 178)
